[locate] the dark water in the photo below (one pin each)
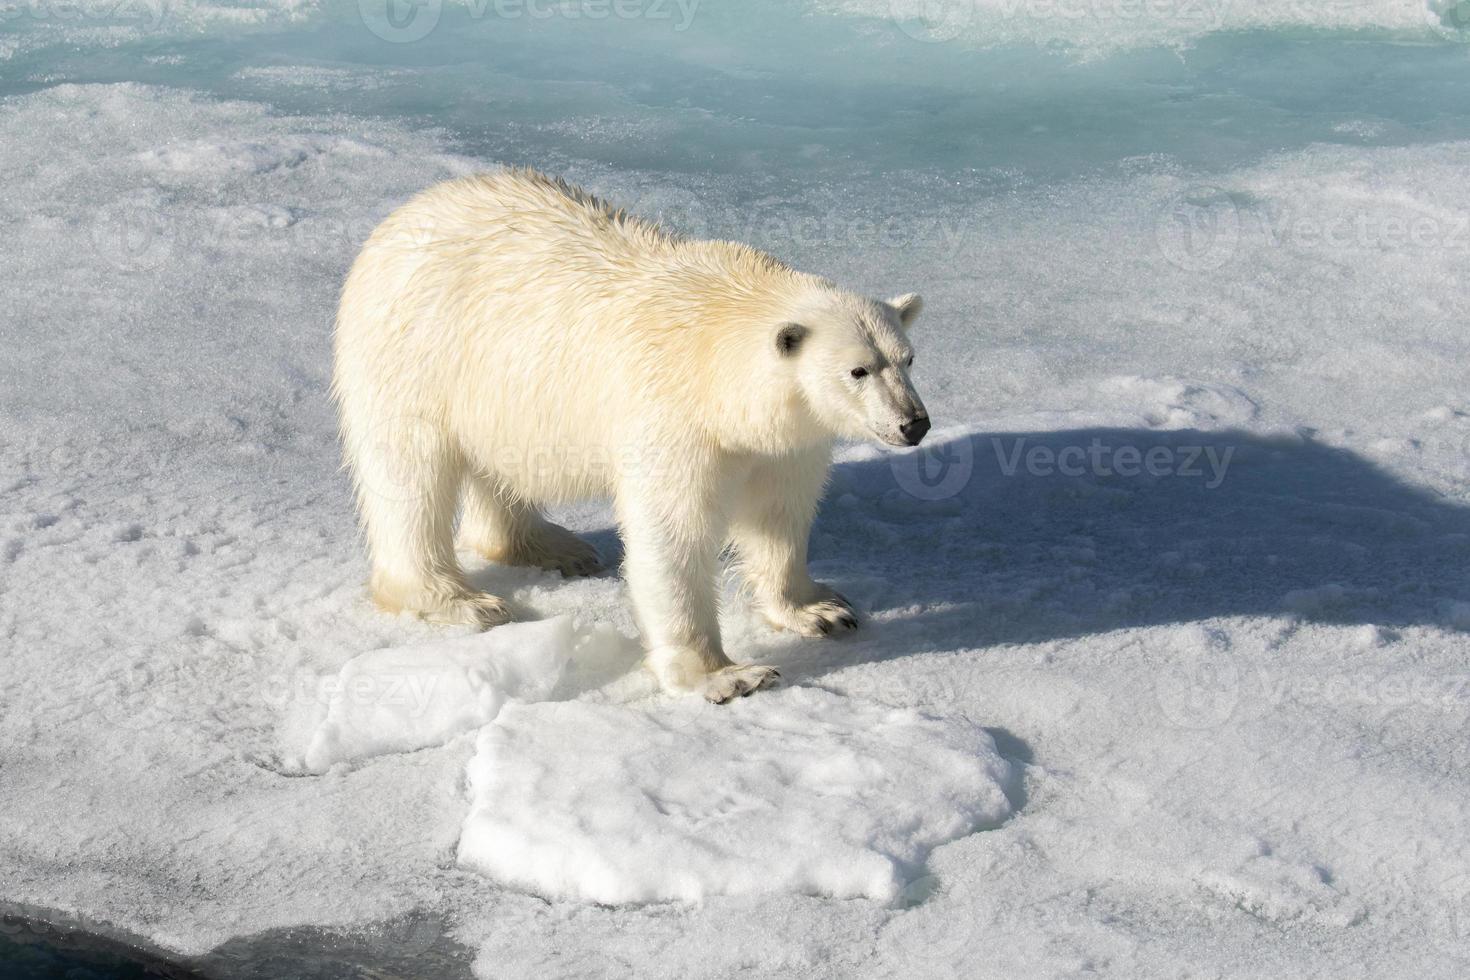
(33, 951)
(39, 947)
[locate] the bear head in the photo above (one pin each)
(850, 357)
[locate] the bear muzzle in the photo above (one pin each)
(915, 429)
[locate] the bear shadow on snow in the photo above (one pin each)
(990, 545)
(970, 543)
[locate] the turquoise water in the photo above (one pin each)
(769, 92)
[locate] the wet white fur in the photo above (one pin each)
(507, 341)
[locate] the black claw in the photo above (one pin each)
(849, 622)
(824, 626)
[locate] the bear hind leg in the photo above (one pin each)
(510, 531)
(407, 488)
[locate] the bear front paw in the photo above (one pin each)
(827, 616)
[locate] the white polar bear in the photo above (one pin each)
(512, 342)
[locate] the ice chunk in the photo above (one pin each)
(798, 790)
(407, 698)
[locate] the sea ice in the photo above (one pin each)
(800, 791)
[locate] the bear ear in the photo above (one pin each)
(789, 338)
(909, 306)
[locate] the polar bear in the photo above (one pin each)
(507, 341)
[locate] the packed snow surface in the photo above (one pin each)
(1165, 646)
(804, 791)
(406, 698)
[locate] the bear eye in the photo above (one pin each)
(860, 373)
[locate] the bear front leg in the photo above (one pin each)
(672, 532)
(771, 521)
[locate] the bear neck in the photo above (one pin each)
(733, 310)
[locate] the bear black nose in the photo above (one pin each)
(914, 429)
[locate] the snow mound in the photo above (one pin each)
(796, 791)
(407, 698)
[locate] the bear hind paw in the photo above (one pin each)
(552, 547)
(479, 609)
(738, 681)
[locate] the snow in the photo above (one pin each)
(1181, 569)
(406, 698)
(803, 791)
